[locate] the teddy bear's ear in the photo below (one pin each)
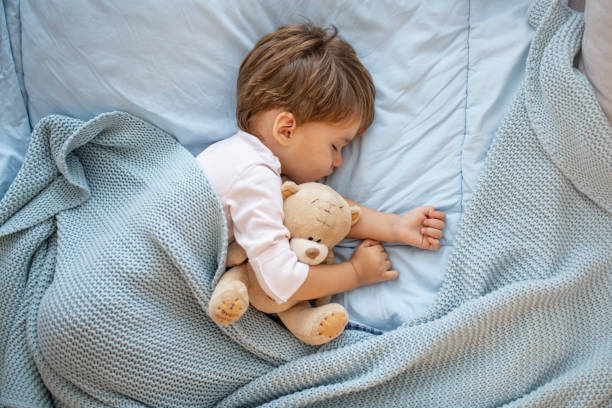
(355, 214)
(289, 188)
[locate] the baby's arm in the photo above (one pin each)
(420, 227)
(369, 264)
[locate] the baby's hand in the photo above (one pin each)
(421, 227)
(371, 264)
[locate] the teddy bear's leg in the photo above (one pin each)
(230, 298)
(315, 325)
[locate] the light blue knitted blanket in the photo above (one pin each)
(111, 240)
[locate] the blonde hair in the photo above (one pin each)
(309, 71)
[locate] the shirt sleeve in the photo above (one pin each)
(255, 204)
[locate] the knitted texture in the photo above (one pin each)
(111, 240)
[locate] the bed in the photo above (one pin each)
(444, 79)
(445, 76)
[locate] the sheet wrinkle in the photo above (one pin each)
(117, 11)
(12, 15)
(430, 124)
(365, 56)
(466, 106)
(15, 126)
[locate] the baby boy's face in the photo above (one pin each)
(317, 150)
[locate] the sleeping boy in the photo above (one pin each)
(302, 95)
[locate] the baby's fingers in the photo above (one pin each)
(369, 242)
(390, 275)
(434, 244)
(432, 232)
(437, 214)
(434, 223)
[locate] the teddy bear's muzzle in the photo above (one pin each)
(309, 252)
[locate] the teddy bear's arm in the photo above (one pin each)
(235, 255)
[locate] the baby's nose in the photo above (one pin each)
(312, 253)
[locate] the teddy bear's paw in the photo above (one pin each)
(230, 311)
(232, 304)
(333, 324)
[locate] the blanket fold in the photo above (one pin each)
(111, 240)
(574, 141)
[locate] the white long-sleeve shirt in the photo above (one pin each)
(247, 177)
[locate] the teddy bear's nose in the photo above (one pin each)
(312, 253)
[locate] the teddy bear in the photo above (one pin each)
(317, 218)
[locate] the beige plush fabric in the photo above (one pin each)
(577, 5)
(596, 57)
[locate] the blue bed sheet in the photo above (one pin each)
(444, 74)
(14, 122)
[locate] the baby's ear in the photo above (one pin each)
(289, 188)
(355, 214)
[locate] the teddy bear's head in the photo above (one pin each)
(317, 218)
